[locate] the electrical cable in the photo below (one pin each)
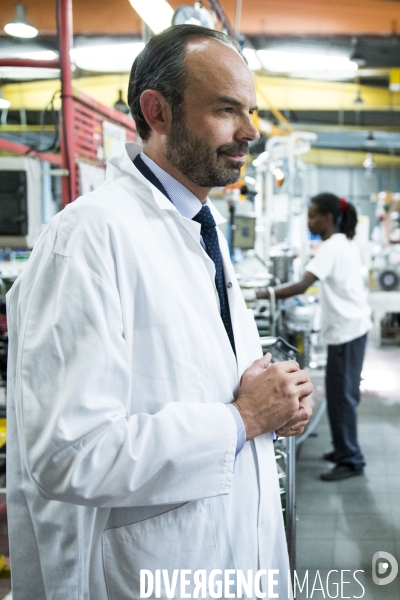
(54, 145)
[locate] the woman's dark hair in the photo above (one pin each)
(161, 66)
(344, 213)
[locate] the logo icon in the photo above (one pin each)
(384, 568)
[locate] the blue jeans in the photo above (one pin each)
(342, 378)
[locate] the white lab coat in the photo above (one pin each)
(120, 451)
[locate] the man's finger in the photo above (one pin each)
(266, 360)
(305, 404)
(300, 419)
(258, 367)
(296, 429)
(299, 377)
(288, 366)
(261, 363)
(304, 389)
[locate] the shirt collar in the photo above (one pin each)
(186, 203)
(182, 198)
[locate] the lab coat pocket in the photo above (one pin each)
(179, 539)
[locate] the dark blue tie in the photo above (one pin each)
(210, 239)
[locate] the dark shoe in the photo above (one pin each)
(342, 472)
(330, 456)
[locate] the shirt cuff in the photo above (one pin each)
(241, 430)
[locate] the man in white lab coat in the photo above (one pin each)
(139, 421)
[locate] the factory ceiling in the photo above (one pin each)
(367, 31)
(258, 17)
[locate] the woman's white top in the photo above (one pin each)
(346, 314)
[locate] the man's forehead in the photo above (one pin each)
(212, 65)
(209, 54)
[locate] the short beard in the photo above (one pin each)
(198, 161)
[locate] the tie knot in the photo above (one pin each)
(205, 218)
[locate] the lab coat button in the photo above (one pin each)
(229, 284)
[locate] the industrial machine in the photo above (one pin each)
(384, 272)
(281, 246)
(20, 201)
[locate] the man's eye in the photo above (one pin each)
(227, 109)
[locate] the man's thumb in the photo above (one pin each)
(265, 360)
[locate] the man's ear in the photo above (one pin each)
(157, 111)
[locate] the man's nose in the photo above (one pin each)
(248, 132)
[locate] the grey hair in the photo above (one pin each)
(161, 67)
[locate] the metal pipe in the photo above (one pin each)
(238, 16)
(291, 501)
(28, 62)
(217, 8)
(64, 28)
(146, 33)
(272, 299)
(23, 149)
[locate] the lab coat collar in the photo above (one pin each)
(121, 164)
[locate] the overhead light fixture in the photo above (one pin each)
(358, 59)
(290, 62)
(20, 27)
(358, 100)
(28, 73)
(36, 55)
(111, 58)
(121, 105)
(370, 141)
(253, 62)
(157, 14)
(355, 55)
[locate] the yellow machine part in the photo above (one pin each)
(2, 432)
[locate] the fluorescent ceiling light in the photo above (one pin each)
(324, 75)
(36, 55)
(20, 27)
(253, 61)
(28, 73)
(21, 30)
(157, 14)
(111, 58)
(289, 62)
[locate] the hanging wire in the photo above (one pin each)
(55, 143)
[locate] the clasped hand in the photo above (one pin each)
(274, 397)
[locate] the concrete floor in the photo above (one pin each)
(341, 525)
